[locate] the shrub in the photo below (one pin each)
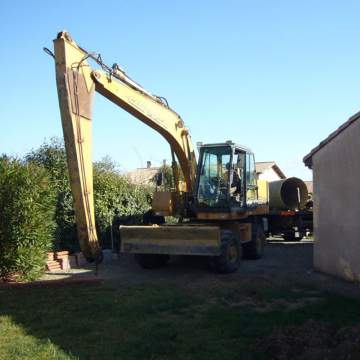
(26, 221)
(116, 199)
(52, 156)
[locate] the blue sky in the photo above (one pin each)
(276, 76)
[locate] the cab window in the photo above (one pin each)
(250, 169)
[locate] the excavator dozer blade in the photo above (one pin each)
(171, 240)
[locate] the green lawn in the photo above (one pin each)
(158, 322)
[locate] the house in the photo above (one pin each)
(143, 176)
(336, 173)
(269, 171)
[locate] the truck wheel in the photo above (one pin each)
(229, 259)
(151, 261)
(255, 248)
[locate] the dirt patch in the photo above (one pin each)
(312, 341)
(252, 295)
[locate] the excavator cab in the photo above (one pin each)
(226, 178)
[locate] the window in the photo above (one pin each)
(214, 176)
(250, 169)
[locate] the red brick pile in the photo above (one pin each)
(52, 264)
(61, 260)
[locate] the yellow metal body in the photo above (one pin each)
(171, 239)
(76, 84)
(166, 203)
(263, 191)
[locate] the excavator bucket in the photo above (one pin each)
(75, 90)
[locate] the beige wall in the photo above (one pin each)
(269, 175)
(336, 171)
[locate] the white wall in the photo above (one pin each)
(337, 205)
(269, 175)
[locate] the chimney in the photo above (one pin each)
(164, 162)
(148, 164)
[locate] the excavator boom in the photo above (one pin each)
(76, 84)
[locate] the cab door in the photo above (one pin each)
(238, 181)
(251, 183)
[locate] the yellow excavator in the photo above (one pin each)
(222, 209)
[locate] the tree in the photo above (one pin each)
(52, 156)
(27, 218)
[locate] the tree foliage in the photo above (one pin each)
(26, 222)
(116, 199)
(52, 156)
(37, 209)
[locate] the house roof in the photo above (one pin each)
(142, 176)
(308, 158)
(261, 167)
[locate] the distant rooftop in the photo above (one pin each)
(262, 166)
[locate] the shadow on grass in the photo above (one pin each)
(93, 321)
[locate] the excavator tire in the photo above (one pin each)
(231, 252)
(254, 249)
(151, 261)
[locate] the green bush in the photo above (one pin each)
(26, 221)
(117, 201)
(51, 155)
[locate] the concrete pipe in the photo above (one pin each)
(288, 194)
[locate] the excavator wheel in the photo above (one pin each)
(231, 252)
(151, 261)
(255, 248)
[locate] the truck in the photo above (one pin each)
(290, 209)
(222, 209)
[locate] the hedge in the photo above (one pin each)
(27, 219)
(117, 201)
(37, 212)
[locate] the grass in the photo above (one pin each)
(156, 322)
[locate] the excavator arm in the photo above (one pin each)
(76, 84)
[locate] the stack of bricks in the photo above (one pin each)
(63, 258)
(58, 261)
(52, 264)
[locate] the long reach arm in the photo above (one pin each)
(76, 83)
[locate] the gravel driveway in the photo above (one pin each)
(283, 262)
